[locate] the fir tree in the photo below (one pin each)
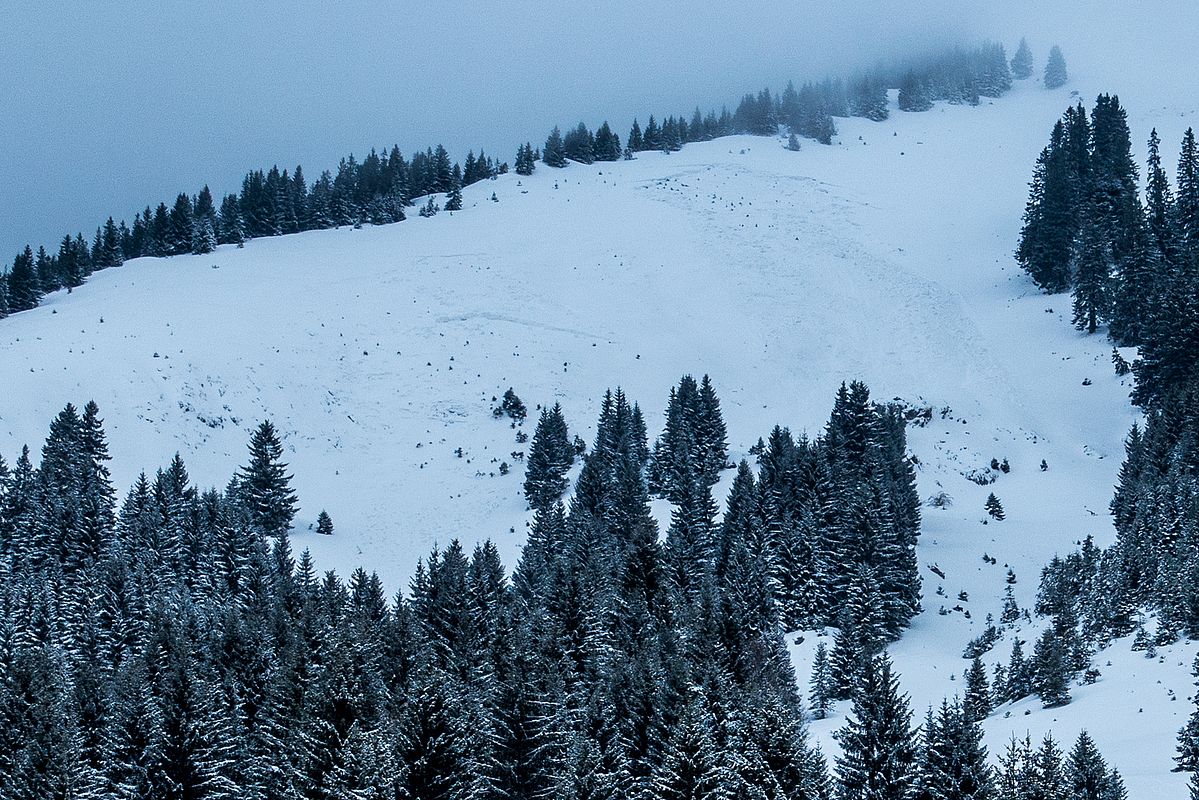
(914, 94)
(1051, 216)
(635, 143)
(179, 228)
(1019, 674)
(229, 222)
(1011, 611)
(1187, 186)
(324, 524)
(579, 145)
(868, 98)
(1048, 776)
(1188, 736)
(433, 745)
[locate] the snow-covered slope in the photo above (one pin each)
(886, 257)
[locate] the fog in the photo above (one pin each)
(111, 106)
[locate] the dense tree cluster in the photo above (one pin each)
(884, 758)
(551, 455)
(173, 647)
(1131, 264)
(693, 447)
(835, 520)
(1154, 562)
(956, 76)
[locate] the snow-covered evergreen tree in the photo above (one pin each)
(1055, 69)
(265, 486)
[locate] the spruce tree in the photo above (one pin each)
(266, 486)
(204, 224)
(1088, 774)
(651, 138)
(1022, 61)
(1188, 736)
(1049, 777)
(822, 689)
(525, 162)
(23, 287)
(913, 94)
(453, 199)
(1011, 611)
(1051, 671)
(877, 747)
(550, 457)
(635, 143)
(554, 154)
(179, 228)
(1055, 69)
(1019, 673)
(607, 144)
(1093, 275)
(952, 760)
(432, 744)
(47, 272)
(579, 145)
(1051, 213)
(1159, 203)
(229, 222)
(690, 768)
(994, 507)
(1187, 187)
(1016, 774)
(977, 703)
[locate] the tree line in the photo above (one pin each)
(378, 189)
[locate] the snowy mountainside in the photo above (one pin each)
(885, 257)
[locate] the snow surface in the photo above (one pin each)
(886, 257)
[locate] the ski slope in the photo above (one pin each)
(886, 257)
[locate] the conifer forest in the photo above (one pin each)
(833, 436)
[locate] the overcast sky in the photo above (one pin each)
(106, 107)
